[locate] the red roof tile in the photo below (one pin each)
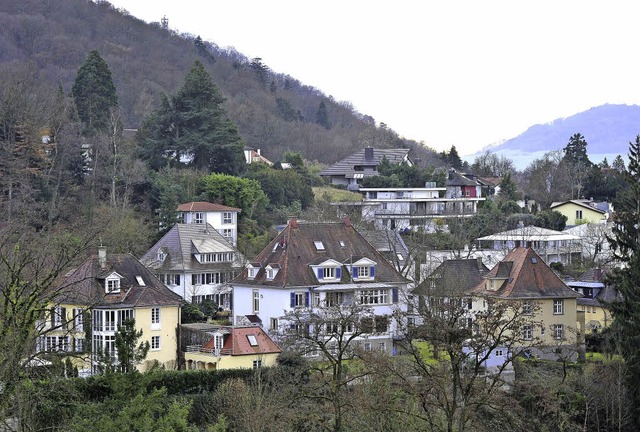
(204, 206)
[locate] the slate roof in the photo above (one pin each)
(454, 178)
(387, 242)
(527, 276)
(594, 278)
(345, 166)
(85, 285)
(203, 206)
(454, 276)
(181, 242)
(296, 251)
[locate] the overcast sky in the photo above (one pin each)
(466, 73)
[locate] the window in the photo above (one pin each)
(334, 299)
(499, 353)
(578, 214)
(384, 205)
(382, 346)
(316, 299)
(329, 272)
(218, 342)
(155, 318)
(252, 272)
(155, 343)
(374, 297)
(527, 309)
(252, 340)
(198, 218)
(298, 299)
(227, 217)
(527, 332)
(558, 331)
(78, 345)
(256, 301)
(78, 319)
(257, 364)
(319, 245)
(542, 329)
(113, 285)
(558, 307)
(367, 346)
(273, 325)
(161, 255)
(363, 272)
(227, 233)
(58, 317)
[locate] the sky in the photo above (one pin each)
(467, 73)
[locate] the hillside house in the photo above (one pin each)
(351, 170)
(308, 266)
(214, 347)
(222, 218)
(580, 212)
(195, 261)
(97, 297)
(595, 300)
(550, 306)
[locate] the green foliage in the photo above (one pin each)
(575, 152)
(452, 158)
(130, 353)
(402, 175)
(551, 219)
(94, 93)
(509, 189)
(322, 116)
(626, 279)
(243, 193)
(191, 313)
(282, 187)
(190, 128)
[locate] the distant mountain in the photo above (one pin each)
(606, 128)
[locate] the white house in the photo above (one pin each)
(195, 261)
(222, 218)
(311, 265)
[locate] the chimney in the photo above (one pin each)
(368, 153)
(258, 152)
(102, 257)
(293, 222)
(479, 262)
(347, 221)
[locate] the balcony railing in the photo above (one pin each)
(210, 351)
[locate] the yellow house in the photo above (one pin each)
(96, 298)
(547, 302)
(208, 346)
(579, 212)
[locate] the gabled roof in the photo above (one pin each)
(296, 251)
(203, 206)
(454, 277)
(530, 234)
(528, 277)
(181, 242)
(85, 285)
(345, 166)
(454, 178)
(578, 203)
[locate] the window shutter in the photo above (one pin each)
(354, 272)
(177, 279)
(339, 273)
(320, 273)
(394, 295)
(372, 271)
(293, 299)
(53, 317)
(194, 279)
(306, 299)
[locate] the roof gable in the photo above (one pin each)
(525, 275)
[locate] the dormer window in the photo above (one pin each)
(272, 270)
(252, 270)
(363, 269)
(161, 255)
(328, 271)
(112, 284)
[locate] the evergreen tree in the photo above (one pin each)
(575, 151)
(509, 189)
(190, 128)
(261, 70)
(322, 116)
(625, 245)
(94, 93)
(130, 353)
(453, 158)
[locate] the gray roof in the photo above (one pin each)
(530, 233)
(184, 240)
(345, 166)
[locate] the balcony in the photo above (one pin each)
(210, 351)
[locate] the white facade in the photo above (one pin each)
(412, 208)
(224, 221)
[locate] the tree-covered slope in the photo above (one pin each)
(273, 111)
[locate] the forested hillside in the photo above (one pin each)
(272, 111)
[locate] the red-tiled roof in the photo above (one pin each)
(525, 275)
(237, 341)
(204, 206)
